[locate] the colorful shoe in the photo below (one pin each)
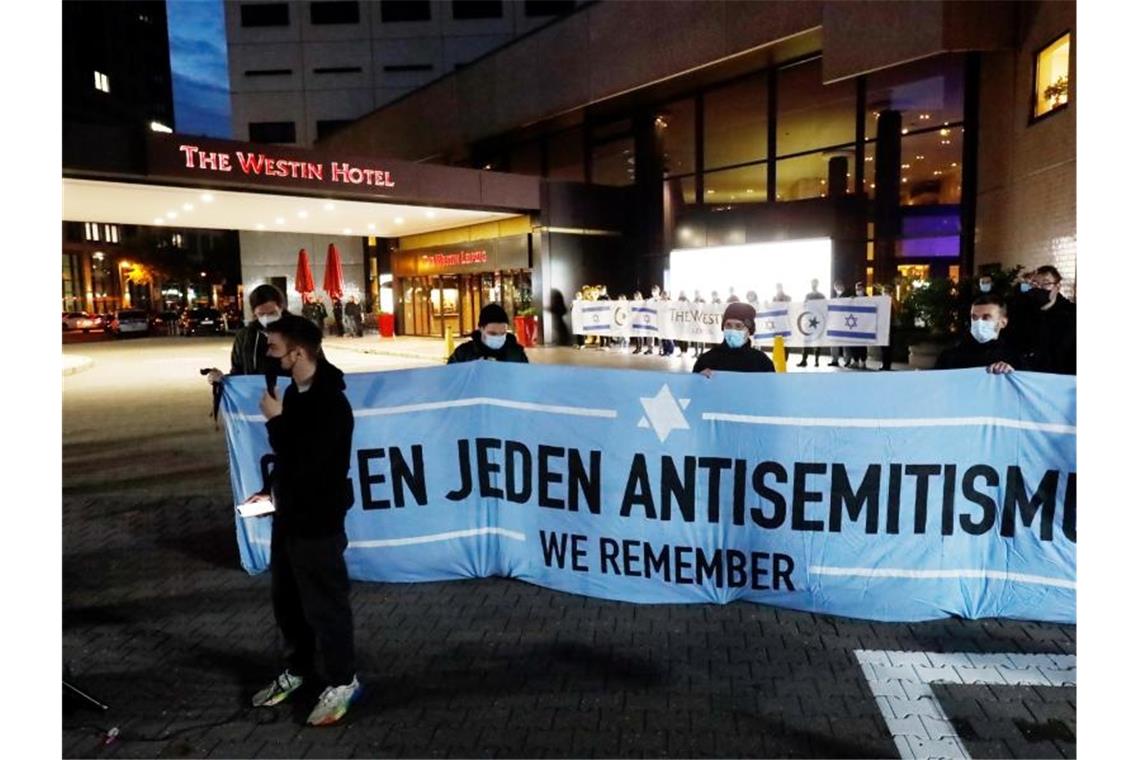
(334, 703)
(278, 691)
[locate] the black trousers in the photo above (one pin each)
(310, 603)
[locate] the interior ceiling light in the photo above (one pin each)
(399, 220)
(371, 226)
(159, 220)
(429, 214)
(302, 213)
(187, 206)
(260, 226)
(171, 215)
(330, 206)
(347, 230)
(206, 198)
(279, 220)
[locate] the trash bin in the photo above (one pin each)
(386, 324)
(525, 330)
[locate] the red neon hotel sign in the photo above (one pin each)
(265, 165)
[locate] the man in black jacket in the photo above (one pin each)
(310, 431)
(247, 357)
(1049, 340)
(735, 353)
(491, 341)
(985, 346)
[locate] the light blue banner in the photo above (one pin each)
(902, 496)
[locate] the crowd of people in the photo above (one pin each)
(348, 318)
(310, 432)
(1029, 325)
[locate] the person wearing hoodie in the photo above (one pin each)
(735, 353)
(491, 341)
(310, 432)
(985, 346)
(248, 355)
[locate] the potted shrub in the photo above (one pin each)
(935, 309)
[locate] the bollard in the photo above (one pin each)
(779, 355)
(448, 342)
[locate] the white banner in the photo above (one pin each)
(821, 322)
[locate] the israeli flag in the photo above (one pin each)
(596, 318)
(644, 318)
(772, 322)
(852, 321)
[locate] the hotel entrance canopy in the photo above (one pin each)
(180, 181)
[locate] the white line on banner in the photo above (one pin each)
(900, 683)
(902, 572)
(435, 537)
(874, 422)
(574, 411)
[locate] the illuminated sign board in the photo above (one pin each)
(441, 260)
(260, 164)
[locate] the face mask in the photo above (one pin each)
(494, 342)
(985, 287)
(1039, 297)
(983, 330)
(1025, 286)
(268, 319)
(735, 338)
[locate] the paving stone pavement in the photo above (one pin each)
(162, 624)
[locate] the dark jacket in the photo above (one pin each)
(312, 442)
(725, 359)
(475, 349)
(248, 355)
(970, 353)
(1050, 339)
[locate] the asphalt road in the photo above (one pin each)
(162, 624)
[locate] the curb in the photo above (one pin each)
(83, 363)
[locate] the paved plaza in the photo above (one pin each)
(161, 623)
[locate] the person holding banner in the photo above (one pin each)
(812, 296)
(491, 341)
(248, 355)
(310, 432)
(735, 353)
(984, 346)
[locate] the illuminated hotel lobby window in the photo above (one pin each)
(676, 125)
(736, 123)
(811, 115)
(748, 184)
(1051, 77)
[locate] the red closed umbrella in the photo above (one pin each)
(334, 275)
(303, 283)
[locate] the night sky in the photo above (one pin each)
(198, 65)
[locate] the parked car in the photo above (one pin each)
(128, 322)
(81, 320)
(202, 321)
(165, 323)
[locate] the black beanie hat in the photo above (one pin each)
(742, 311)
(492, 312)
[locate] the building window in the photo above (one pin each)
(748, 184)
(676, 126)
(612, 163)
(565, 155)
(272, 132)
(328, 126)
(269, 72)
(110, 233)
(338, 70)
(811, 115)
(927, 93)
(535, 8)
(265, 14)
(1051, 77)
(102, 83)
(337, 12)
(91, 231)
(392, 11)
(467, 10)
(400, 68)
(176, 240)
(736, 123)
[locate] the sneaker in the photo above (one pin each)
(334, 703)
(278, 691)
